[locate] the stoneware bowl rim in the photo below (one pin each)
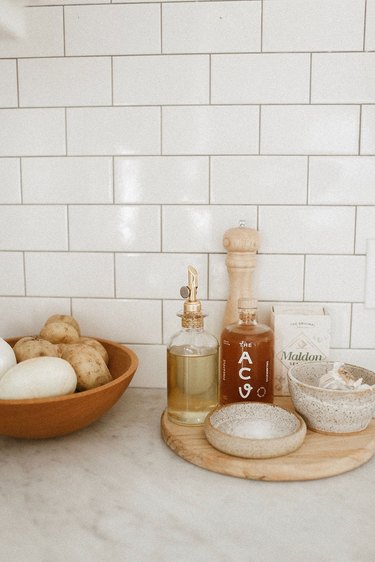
(208, 422)
(133, 365)
(333, 391)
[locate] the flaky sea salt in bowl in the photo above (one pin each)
(254, 430)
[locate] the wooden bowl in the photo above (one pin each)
(51, 417)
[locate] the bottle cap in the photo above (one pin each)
(247, 304)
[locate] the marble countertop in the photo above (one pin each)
(115, 492)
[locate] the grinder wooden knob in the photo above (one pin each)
(241, 244)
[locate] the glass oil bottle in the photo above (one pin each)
(246, 373)
(192, 363)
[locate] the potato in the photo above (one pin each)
(30, 347)
(66, 319)
(88, 364)
(59, 332)
(96, 345)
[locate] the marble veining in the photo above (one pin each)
(114, 491)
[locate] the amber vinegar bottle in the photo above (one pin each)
(246, 373)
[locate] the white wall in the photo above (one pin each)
(132, 135)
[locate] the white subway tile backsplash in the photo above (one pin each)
(10, 183)
(69, 274)
(43, 36)
(365, 228)
(260, 78)
(368, 130)
(140, 275)
(25, 316)
(65, 81)
(32, 132)
(311, 230)
(361, 357)
(288, 270)
(200, 228)
(152, 366)
(67, 180)
(114, 228)
(8, 83)
(309, 129)
(125, 321)
(211, 27)
(343, 78)
(33, 227)
(363, 327)
(335, 278)
(342, 180)
(313, 25)
(12, 274)
(162, 179)
(210, 130)
(370, 25)
(112, 30)
(113, 130)
(156, 80)
(259, 179)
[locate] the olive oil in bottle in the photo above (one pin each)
(192, 363)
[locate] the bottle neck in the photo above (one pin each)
(248, 317)
(192, 321)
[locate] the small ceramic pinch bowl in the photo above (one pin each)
(327, 410)
(254, 430)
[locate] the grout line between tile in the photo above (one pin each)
(261, 26)
(63, 22)
(364, 26)
(161, 27)
(17, 84)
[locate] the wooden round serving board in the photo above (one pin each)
(320, 455)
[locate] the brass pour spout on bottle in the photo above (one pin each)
(192, 362)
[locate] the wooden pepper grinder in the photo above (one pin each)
(241, 244)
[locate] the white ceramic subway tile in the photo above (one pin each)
(113, 130)
(370, 25)
(343, 78)
(25, 316)
(67, 2)
(8, 83)
(112, 30)
(342, 180)
(162, 179)
(260, 78)
(12, 277)
(314, 230)
(114, 228)
(65, 81)
(361, 357)
(152, 366)
(67, 180)
(212, 322)
(258, 179)
(200, 228)
(161, 80)
(363, 327)
(287, 270)
(335, 278)
(32, 132)
(365, 228)
(313, 25)
(299, 129)
(10, 190)
(125, 321)
(211, 27)
(69, 274)
(43, 37)
(33, 227)
(161, 275)
(368, 130)
(210, 130)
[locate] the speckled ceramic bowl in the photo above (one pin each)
(254, 430)
(327, 410)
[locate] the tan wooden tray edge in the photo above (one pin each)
(320, 456)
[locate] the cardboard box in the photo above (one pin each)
(302, 333)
